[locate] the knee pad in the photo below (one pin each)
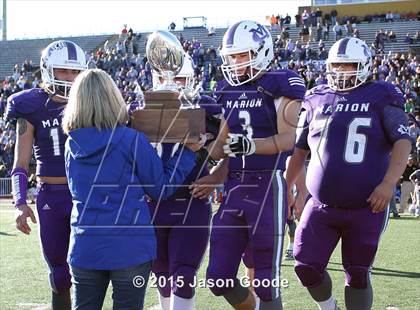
(184, 281)
(357, 276)
(308, 275)
(163, 278)
(215, 280)
(60, 279)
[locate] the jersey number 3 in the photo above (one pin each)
(246, 126)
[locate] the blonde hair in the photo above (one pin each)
(94, 101)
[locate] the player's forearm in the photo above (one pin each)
(221, 170)
(20, 164)
(23, 153)
(398, 162)
(301, 182)
(23, 146)
(215, 150)
(275, 144)
(295, 168)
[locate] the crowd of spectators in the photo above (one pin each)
(315, 27)
(317, 16)
(131, 70)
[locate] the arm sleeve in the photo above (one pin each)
(395, 123)
(157, 179)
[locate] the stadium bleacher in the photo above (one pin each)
(15, 52)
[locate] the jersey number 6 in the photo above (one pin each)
(355, 146)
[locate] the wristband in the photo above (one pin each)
(19, 185)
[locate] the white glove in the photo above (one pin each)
(238, 145)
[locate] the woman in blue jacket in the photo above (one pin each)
(111, 171)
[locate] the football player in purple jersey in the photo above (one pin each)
(356, 131)
(182, 221)
(39, 112)
(260, 114)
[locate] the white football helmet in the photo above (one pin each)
(348, 50)
(63, 55)
(187, 72)
(246, 36)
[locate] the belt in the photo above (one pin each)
(53, 187)
(253, 174)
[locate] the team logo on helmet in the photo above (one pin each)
(259, 34)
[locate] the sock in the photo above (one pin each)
(178, 303)
(61, 301)
(257, 301)
(328, 304)
(275, 304)
(237, 295)
(290, 247)
(358, 299)
(323, 291)
(165, 302)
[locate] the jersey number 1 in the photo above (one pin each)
(55, 140)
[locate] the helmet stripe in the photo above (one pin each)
(342, 46)
(231, 33)
(71, 49)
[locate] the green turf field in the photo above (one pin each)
(396, 275)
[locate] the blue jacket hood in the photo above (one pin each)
(89, 144)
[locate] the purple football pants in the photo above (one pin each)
(182, 232)
(54, 204)
(247, 256)
(254, 215)
(319, 230)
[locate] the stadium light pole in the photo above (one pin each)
(4, 20)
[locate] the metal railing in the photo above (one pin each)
(5, 187)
